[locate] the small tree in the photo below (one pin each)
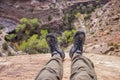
(5, 46)
(10, 37)
(27, 27)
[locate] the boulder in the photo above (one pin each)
(101, 48)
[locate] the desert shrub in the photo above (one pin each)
(27, 32)
(43, 33)
(87, 17)
(69, 35)
(115, 45)
(65, 21)
(10, 54)
(10, 37)
(49, 18)
(34, 22)
(74, 12)
(24, 21)
(32, 51)
(29, 37)
(0, 32)
(42, 46)
(30, 24)
(97, 0)
(93, 8)
(1, 27)
(83, 10)
(110, 44)
(5, 46)
(66, 38)
(34, 45)
(68, 19)
(20, 27)
(26, 28)
(77, 15)
(90, 9)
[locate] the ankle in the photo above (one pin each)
(59, 53)
(78, 52)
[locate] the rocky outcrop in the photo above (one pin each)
(106, 20)
(17, 9)
(8, 24)
(105, 27)
(10, 50)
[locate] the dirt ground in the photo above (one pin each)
(26, 67)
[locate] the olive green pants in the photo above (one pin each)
(81, 69)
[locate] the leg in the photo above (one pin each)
(53, 70)
(82, 68)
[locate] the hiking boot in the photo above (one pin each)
(53, 45)
(79, 39)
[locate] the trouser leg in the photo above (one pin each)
(53, 70)
(82, 68)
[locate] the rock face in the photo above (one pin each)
(17, 9)
(105, 26)
(104, 23)
(8, 25)
(10, 50)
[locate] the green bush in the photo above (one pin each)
(74, 12)
(83, 10)
(66, 38)
(42, 46)
(26, 28)
(69, 35)
(30, 38)
(34, 23)
(20, 27)
(77, 15)
(27, 32)
(43, 33)
(30, 24)
(10, 37)
(87, 17)
(68, 19)
(24, 21)
(34, 45)
(1, 27)
(5, 46)
(49, 18)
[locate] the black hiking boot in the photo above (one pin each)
(53, 45)
(79, 39)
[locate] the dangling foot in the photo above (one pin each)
(53, 45)
(79, 39)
